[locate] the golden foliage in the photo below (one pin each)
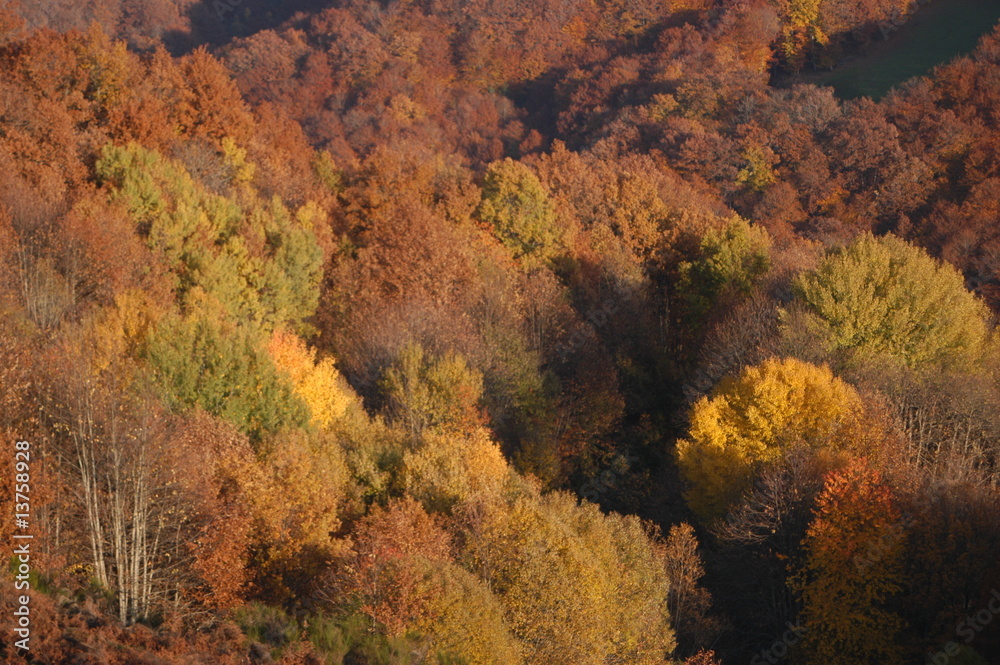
(317, 383)
(578, 587)
(885, 297)
(753, 419)
(294, 493)
(468, 621)
(448, 468)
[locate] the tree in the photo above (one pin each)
(468, 621)
(753, 419)
(853, 555)
(517, 207)
(110, 438)
(884, 297)
(205, 360)
(400, 573)
(258, 260)
(688, 601)
(295, 488)
(203, 98)
(759, 537)
(577, 586)
(317, 383)
(440, 393)
(800, 31)
(211, 458)
(733, 257)
(449, 468)
(703, 658)
(388, 571)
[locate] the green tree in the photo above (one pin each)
(424, 391)
(518, 208)
(754, 419)
(758, 172)
(885, 297)
(256, 258)
(203, 359)
(733, 257)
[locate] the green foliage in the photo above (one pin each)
(753, 419)
(261, 263)
(520, 398)
(518, 208)
(335, 639)
(757, 174)
(885, 297)
(326, 170)
(733, 257)
(332, 637)
(204, 360)
(349, 638)
(967, 656)
(267, 625)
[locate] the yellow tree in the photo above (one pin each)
(578, 587)
(467, 621)
(294, 489)
(315, 382)
(447, 468)
(756, 417)
(517, 206)
(801, 28)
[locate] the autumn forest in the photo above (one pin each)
(495, 332)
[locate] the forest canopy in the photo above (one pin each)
(507, 333)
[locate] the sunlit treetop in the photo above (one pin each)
(753, 419)
(885, 297)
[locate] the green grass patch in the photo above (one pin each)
(939, 32)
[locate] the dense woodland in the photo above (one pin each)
(496, 332)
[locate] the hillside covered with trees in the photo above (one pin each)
(495, 332)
